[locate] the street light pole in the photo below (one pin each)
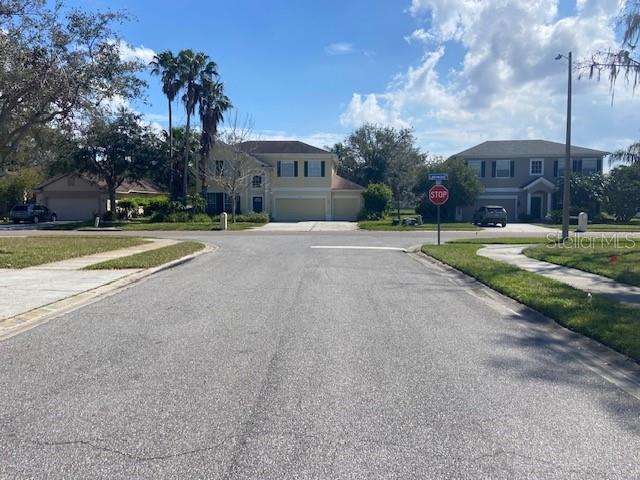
(566, 194)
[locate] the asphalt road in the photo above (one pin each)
(270, 360)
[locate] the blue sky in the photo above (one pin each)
(457, 71)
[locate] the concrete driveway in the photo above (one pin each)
(271, 359)
(308, 227)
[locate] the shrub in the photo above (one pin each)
(555, 216)
(252, 217)
(127, 206)
(366, 215)
(201, 218)
(197, 202)
(377, 199)
(156, 205)
(108, 216)
(524, 218)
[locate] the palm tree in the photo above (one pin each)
(165, 65)
(630, 155)
(193, 68)
(213, 103)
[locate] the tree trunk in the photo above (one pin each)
(233, 207)
(398, 207)
(172, 187)
(185, 171)
(112, 200)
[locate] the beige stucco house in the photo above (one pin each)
(290, 180)
(79, 197)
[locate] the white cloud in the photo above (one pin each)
(339, 48)
(507, 84)
(130, 53)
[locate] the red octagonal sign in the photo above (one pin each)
(438, 194)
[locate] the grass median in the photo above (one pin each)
(22, 252)
(151, 258)
(387, 225)
(616, 259)
(609, 322)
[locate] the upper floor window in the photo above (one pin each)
(314, 168)
(503, 168)
(256, 181)
(536, 166)
(476, 166)
(287, 168)
(589, 166)
(220, 167)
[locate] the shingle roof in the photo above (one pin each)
(279, 146)
(519, 148)
(340, 183)
(137, 186)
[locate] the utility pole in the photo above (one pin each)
(566, 193)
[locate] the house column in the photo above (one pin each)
(528, 202)
(549, 202)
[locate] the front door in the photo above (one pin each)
(536, 207)
(257, 204)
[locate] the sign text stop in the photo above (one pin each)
(438, 195)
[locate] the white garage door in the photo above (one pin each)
(299, 209)
(346, 209)
(73, 208)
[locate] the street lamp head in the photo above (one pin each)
(559, 56)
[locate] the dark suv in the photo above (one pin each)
(490, 215)
(31, 212)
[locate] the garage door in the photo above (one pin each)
(509, 205)
(73, 208)
(299, 209)
(346, 209)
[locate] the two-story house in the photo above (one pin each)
(290, 180)
(523, 175)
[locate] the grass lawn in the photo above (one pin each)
(504, 240)
(387, 225)
(601, 227)
(21, 252)
(151, 258)
(609, 322)
(595, 257)
(208, 226)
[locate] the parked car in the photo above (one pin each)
(32, 212)
(490, 215)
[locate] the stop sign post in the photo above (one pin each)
(438, 195)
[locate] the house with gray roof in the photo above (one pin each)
(523, 175)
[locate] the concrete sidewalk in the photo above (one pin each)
(25, 289)
(588, 282)
(307, 227)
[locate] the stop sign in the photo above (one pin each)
(438, 194)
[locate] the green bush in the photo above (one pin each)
(377, 200)
(252, 218)
(200, 218)
(156, 205)
(197, 203)
(127, 206)
(555, 216)
(108, 216)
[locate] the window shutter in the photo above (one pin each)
(555, 168)
(574, 165)
(279, 168)
(306, 168)
(580, 166)
(493, 168)
(482, 169)
(295, 168)
(512, 168)
(599, 165)
(322, 168)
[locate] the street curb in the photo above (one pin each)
(12, 326)
(615, 367)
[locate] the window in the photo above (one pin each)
(257, 204)
(589, 166)
(503, 168)
(228, 205)
(476, 166)
(536, 166)
(560, 167)
(220, 168)
(314, 168)
(288, 168)
(256, 181)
